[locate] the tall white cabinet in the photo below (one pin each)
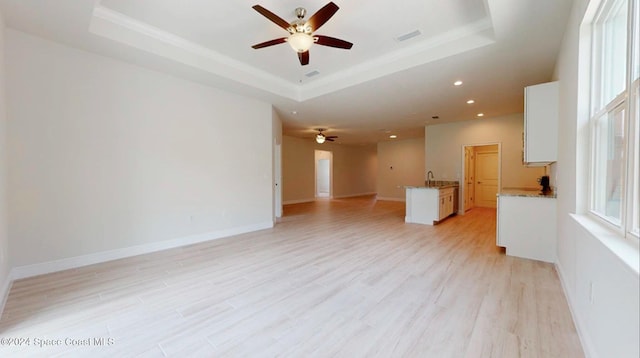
(541, 124)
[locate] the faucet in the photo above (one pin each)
(429, 177)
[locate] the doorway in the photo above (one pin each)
(323, 165)
(481, 175)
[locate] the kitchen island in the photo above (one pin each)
(431, 203)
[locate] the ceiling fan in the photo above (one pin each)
(301, 35)
(321, 138)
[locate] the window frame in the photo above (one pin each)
(633, 150)
(627, 101)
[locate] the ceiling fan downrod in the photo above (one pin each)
(301, 12)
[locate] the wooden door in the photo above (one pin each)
(486, 179)
(469, 177)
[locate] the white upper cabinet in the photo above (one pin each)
(541, 124)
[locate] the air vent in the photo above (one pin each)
(312, 73)
(409, 35)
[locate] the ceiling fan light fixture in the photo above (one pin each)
(320, 138)
(301, 32)
(300, 42)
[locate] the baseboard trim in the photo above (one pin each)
(354, 195)
(299, 201)
(587, 347)
(386, 198)
(6, 288)
(26, 271)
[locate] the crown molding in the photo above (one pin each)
(124, 29)
(448, 44)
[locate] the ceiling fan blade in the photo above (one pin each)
(270, 43)
(321, 16)
(331, 136)
(271, 16)
(329, 139)
(304, 58)
(333, 42)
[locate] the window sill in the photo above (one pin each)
(627, 250)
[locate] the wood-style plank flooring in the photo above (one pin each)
(344, 278)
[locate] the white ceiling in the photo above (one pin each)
(380, 86)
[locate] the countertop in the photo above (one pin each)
(436, 184)
(532, 193)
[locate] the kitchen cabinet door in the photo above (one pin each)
(541, 124)
(442, 208)
(527, 227)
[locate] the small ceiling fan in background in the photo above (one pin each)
(301, 35)
(321, 138)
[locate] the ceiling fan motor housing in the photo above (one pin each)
(299, 26)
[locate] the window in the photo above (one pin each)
(635, 177)
(608, 162)
(615, 116)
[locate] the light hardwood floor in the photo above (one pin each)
(344, 278)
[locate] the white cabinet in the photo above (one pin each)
(428, 205)
(445, 207)
(541, 124)
(527, 227)
(442, 208)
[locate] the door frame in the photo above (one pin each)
(461, 208)
(277, 176)
(466, 205)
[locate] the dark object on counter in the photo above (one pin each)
(544, 182)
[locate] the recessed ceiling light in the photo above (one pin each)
(471, 101)
(294, 112)
(457, 83)
(480, 114)
(393, 136)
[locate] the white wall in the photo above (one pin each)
(354, 169)
(104, 155)
(443, 151)
(298, 169)
(400, 163)
(4, 239)
(608, 324)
